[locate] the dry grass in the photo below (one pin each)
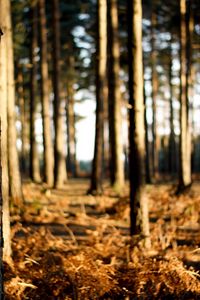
(71, 246)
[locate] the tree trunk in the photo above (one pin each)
(34, 155)
(21, 103)
(138, 197)
(47, 138)
(14, 173)
(1, 215)
(114, 99)
(70, 116)
(4, 133)
(96, 178)
(172, 142)
(185, 135)
(60, 173)
(154, 81)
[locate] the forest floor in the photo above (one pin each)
(69, 245)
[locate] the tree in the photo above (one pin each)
(96, 178)
(47, 138)
(114, 98)
(172, 141)
(185, 135)
(60, 174)
(138, 198)
(154, 81)
(4, 126)
(70, 116)
(1, 213)
(34, 158)
(14, 173)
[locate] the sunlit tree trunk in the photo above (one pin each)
(96, 178)
(1, 213)
(4, 133)
(154, 82)
(60, 173)
(185, 135)
(191, 70)
(114, 99)
(34, 155)
(13, 161)
(47, 138)
(70, 116)
(138, 197)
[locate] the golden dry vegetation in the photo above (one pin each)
(69, 245)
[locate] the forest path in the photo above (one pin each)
(69, 212)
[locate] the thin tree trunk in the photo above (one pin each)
(47, 138)
(185, 136)
(138, 197)
(96, 178)
(13, 161)
(154, 81)
(114, 98)
(34, 155)
(172, 142)
(60, 173)
(70, 116)
(4, 133)
(21, 102)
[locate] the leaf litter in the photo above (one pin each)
(69, 245)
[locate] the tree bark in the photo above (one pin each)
(70, 116)
(4, 133)
(14, 173)
(185, 135)
(96, 178)
(34, 155)
(21, 103)
(114, 99)
(154, 81)
(138, 197)
(1, 214)
(60, 173)
(47, 138)
(172, 141)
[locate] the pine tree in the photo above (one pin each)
(138, 197)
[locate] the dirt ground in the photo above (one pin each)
(69, 245)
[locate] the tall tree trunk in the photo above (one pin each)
(13, 161)
(70, 116)
(185, 136)
(114, 99)
(154, 81)
(96, 178)
(47, 138)
(190, 68)
(172, 142)
(21, 102)
(138, 197)
(1, 215)
(60, 173)
(34, 155)
(4, 133)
